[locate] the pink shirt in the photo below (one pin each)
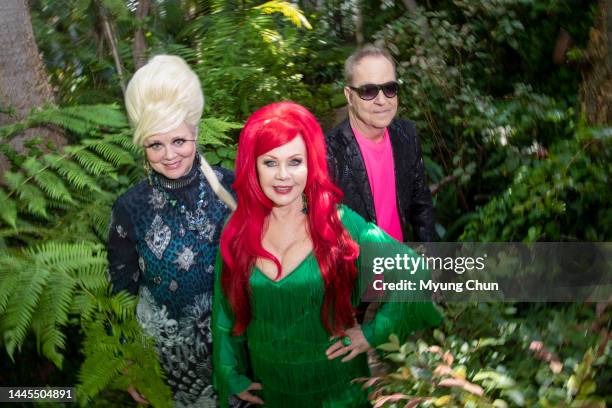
(378, 158)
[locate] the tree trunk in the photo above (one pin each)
(333, 15)
(24, 84)
(359, 23)
(139, 47)
(111, 39)
(596, 89)
(23, 79)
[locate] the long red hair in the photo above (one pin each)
(268, 128)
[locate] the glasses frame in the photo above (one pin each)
(361, 90)
(164, 147)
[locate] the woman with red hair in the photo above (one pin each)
(287, 282)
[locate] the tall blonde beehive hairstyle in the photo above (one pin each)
(161, 96)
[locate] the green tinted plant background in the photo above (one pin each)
(507, 150)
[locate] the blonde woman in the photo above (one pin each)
(165, 230)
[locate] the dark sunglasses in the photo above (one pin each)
(370, 91)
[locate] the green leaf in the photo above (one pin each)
(9, 209)
(493, 379)
(93, 163)
(21, 305)
(515, 395)
(588, 387)
(34, 199)
(72, 172)
(389, 347)
(292, 12)
(110, 152)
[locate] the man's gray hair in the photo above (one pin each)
(368, 50)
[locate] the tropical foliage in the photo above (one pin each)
(56, 204)
(489, 356)
(508, 154)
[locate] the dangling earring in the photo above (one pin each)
(304, 204)
(148, 171)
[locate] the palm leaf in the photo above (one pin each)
(291, 11)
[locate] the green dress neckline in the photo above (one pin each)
(309, 255)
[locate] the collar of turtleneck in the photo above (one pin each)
(183, 181)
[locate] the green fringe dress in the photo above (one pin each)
(284, 346)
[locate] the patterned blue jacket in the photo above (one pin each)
(163, 239)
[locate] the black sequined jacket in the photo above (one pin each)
(347, 170)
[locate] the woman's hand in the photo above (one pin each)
(353, 342)
(136, 396)
(247, 396)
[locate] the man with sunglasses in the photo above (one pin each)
(376, 158)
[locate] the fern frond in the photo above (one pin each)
(53, 342)
(30, 196)
(23, 230)
(81, 120)
(93, 278)
(97, 371)
(93, 163)
(124, 140)
(13, 129)
(53, 186)
(13, 180)
(48, 181)
(34, 199)
(220, 125)
(110, 152)
(21, 305)
(109, 116)
(52, 314)
(9, 209)
(84, 304)
(44, 279)
(214, 131)
(113, 341)
(100, 217)
(67, 257)
(88, 220)
(122, 305)
(10, 267)
(71, 171)
(146, 373)
(55, 117)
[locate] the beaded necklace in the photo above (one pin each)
(195, 220)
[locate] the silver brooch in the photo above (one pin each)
(158, 237)
(185, 259)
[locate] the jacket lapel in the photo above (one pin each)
(401, 154)
(359, 170)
